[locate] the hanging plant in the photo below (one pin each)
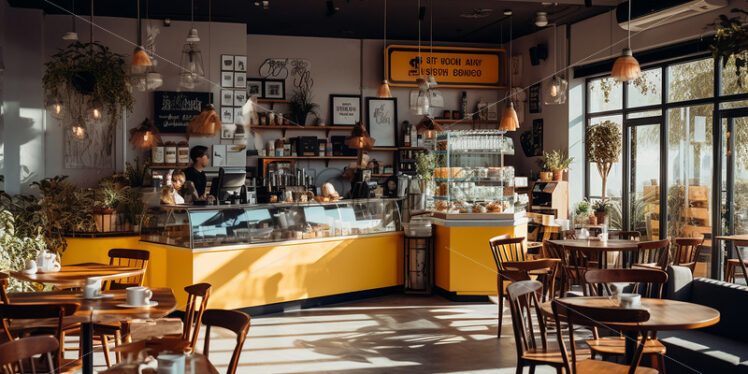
(731, 40)
(84, 77)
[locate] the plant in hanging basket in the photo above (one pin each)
(731, 40)
(603, 147)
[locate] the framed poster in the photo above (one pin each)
(227, 79)
(254, 87)
(240, 63)
(533, 98)
(238, 115)
(227, 97)
(274, 89)
(173, 111)
(227, 114)
(381, 120)
(227, 63)
(537, 137)
(240, 80)
(345, 110)
(240, 97)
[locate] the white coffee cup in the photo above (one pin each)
(171, 364)
(630, 300)
(138, 296)
(92, 288)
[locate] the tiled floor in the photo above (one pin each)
(390, 334)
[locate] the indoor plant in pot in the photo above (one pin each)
(108, 197)
(603, 147)
(731, 40)
(554, 163)
(600, 209)
(301, 105)
(582, 213)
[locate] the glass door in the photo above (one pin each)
(644, 177)
(734, 197)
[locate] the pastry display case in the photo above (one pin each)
(199, 227)
(471, 180)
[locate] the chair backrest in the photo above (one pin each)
(505, 249)
(523, 298)
(30, 311)
(575, 264)
(128, 257)
(4, 288)
(15, 352)
(653, 252)
(590, 316)
(568, 235)
(685, 251)
(647, 282)
(553, 250)
(233, 320)
(197, 301)
(628, 235)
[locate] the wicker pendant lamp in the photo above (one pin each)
(626, 67)
(428, 127)
(206, 123)
(140, 59)
(509, 120)
(360, 140)
(384, 88)
(145, 136)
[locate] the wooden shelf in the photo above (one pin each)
(464, 121)
(412, 148)
(384, 149)
(381, 175)
(166, 167)
(272, 101)
(326, 159)
(283, 128)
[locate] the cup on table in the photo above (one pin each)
(630, 300)
(92, 288)
(171, 364)
(138, 296)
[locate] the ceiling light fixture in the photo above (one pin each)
(541, 19)
(626, 67)
(384, 88)
(509, 120)
(435, 97)
(556, 89)
(191, 63)
(71, 35)
(153, 79)
(423, 102)
(140, 60)
(476, 13)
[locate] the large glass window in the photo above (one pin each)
(604, 94)
(647, 90)
(691, 80)
(614, 182)
(732, 83)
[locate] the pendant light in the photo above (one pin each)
(192, 59)
(435, 97)
(140, 59)
(206, 123)
(71, 35)
(626, 67)
(384, 88)
(145, 136)
(556, 90)
(423, 102)
(79, 129)
(360, 141)
(153, 79)
(509, 120)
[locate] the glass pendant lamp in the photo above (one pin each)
(191, 63)
(555, 92)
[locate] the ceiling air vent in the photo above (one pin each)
(654, 13)
(476, 13)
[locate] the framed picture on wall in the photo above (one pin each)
(381, 120)
(238, 116)
(227, 131)
(240, 80)
(345, 110)
(227, 97)
(240, 63)
(227, 79)
(533, 98)
(240, 97)
(227, 114)
(227, 62)
(254, 87)
(274, 89)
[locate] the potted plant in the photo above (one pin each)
(731, 40)
(301, 105)
(546, 174)
(67, 208)
(582, 213)
(600, 209)
(554, 163)
(603, 147)
(16, 248)
(131, 207)
(108, 198)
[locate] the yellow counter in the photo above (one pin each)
(464, 263)
(252, 275)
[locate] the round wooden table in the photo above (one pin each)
(664, 314)
(738, 241)
(75, 276)
(200, 362)
(599, 246)
(104, 310)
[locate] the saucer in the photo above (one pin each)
(101, 296)
(152, 303)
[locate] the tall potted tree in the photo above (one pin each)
(603, 147)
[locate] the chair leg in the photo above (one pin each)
(501, 306)
(117, 340)
(520, 367)
(532, 368)
(559, 370)
(660, 359)
(105, 346)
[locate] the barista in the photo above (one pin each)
(196, 172)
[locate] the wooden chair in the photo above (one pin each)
(652, 254)
(14, 353)
(575, 265)
(513, 265)
(3, 288)
(628, 235)
(127, 257)
(568, 235)
(585, 316)
(647, 282)
(28, 312)
(532, 349)
(198, 295)
(233, 320)
(733, 263)
(685, 251)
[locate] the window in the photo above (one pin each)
(691, 80)
(647, 90)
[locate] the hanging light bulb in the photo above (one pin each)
(626, 67)
(509, 120)
(191, 63)
(423, 102)
(140, 59)
(555, 92)
(56, 109)
(79, 131)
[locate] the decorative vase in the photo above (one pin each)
(558, 175)
(600, 216)
(593, 221)
(546, 176)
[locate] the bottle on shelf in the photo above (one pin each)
(463, 105)
(405, 130)
(413, 136)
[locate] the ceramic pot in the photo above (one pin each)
(546, 176)
(558, 175)
(593, 220)
(601, 217)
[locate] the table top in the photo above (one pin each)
(104, 310)
(76, 275)
(599, 245)
(733, 237)
(202, 365)
(664, 314)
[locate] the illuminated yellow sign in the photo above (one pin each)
(450, 66)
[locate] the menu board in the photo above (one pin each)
(173, 111)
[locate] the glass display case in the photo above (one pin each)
(470, 176)
(213, 226)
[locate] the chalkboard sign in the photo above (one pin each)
(175, 110)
